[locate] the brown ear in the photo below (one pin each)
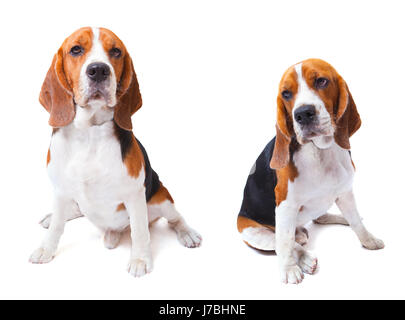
(281, 153)
(347, 118)
(129, 96)
(56, 95)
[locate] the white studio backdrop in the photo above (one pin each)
(208, 73)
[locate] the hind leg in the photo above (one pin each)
(256, 235)
(112, 238)
(162, 205)
(347, 205)
(263, 237)
(328, 218)
(73, 214)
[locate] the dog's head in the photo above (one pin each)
(91, 68)
(314, 105)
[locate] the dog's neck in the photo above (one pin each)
(94, 114)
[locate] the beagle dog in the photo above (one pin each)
(304, 170)
(97, 167)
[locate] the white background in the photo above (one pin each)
(208, 72)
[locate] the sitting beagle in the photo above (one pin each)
(304, 169)
(96, 165)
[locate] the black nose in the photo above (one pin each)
(305, 114)
(98, 71)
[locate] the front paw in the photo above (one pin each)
(308, 263)
(139, 267)
(292, 274)
(372, 243)
(42, 255)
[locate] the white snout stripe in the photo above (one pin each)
(98, 54)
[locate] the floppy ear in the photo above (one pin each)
(347, 118)
(129, 96)
(281, 153)
(56, 95)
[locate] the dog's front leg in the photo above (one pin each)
(286, 222)
(62, 206)
(347, 205)
(141, 257)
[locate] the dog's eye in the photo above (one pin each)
(287, 95)
(76, 51)
(115, 53)
(321, 83)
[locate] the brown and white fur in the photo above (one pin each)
(313, 167)
(92, 175)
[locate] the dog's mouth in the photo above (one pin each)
(306, 134)
(91, 93)
(313, 132)
(97, 94)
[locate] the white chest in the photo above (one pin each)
(324, 174)
(86, 166)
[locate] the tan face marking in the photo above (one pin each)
(288, 83)
(72, 65)
(110, 42)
